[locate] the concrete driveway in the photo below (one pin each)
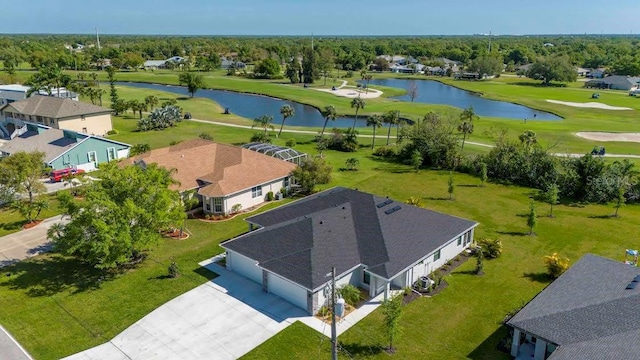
(222, 319)
(26, 243)
(10, 349)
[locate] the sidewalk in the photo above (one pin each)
(26, 243)
(10, 349)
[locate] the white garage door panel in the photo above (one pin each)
(245, 267)
(287, 290)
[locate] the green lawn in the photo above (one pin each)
(56, 307)
(11, 221)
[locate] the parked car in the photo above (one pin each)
(59, 175)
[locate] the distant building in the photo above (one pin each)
(59, 113)
(615, 82)
(162, 64)
(16, 92)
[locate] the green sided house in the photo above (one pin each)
(65, 148)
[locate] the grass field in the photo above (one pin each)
(55, 307)
(558, 134)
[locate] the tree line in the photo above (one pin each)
(620, 54)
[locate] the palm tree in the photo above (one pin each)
(329, 113)
(357, 103)
(368, 78)
(391, 118)
(94, 77)
(466, 126)
(264, 122)
(528, 139)
(375, 121)
(286, 111)
(151, 102)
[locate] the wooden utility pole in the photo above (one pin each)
(334, 336)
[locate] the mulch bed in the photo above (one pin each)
(448, 269)
(175, 234)
(31, 224)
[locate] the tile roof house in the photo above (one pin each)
(592, 311)
(374, 243)
(59, 113)
(223, 175)
(64, 148)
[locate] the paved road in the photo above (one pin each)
(10, 349)
(26, 243)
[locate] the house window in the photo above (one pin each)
(256, 191)
(286, 182)
(436, 256)
(111, 153)
(460, 241)
(92, 157)
(217, 205)
(52, 121)
(208, 207)
(84, 130)
(366, 277)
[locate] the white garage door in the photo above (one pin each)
(245, 267)
(287, 290)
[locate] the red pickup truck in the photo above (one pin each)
(59, 175)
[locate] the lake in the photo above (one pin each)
(252, 106)
(434, 92)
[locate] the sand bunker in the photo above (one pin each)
(353, 92)
(607, 136)
(593, 105)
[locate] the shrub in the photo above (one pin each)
(349, 74)
(343, 140)
(556, 265)
(260, 136)
(270, 196)
(352, 164)
(139, 149)
(291, 143)
(207, 217)
(236, 208)
(386, 151)
(174, 271)
(112, 132)
(350, 294)
(205, 136)
(324, 311)
(490, 248)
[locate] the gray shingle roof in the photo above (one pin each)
(586, 306)
(54, 107)
(51, 142)
(344, 228)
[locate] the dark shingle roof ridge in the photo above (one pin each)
(298, 202)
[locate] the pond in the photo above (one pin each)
(252, 106)
(434, 92)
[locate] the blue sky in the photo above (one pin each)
(323, 17)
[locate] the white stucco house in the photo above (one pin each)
(374, 243)
(591, 312)
(222, 176)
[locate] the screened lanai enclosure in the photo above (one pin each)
(279, 152)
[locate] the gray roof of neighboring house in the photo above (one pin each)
(151, 63)
(621, 79)
(54, 107)
(344, 228)
(50, 141)
(587, 309)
